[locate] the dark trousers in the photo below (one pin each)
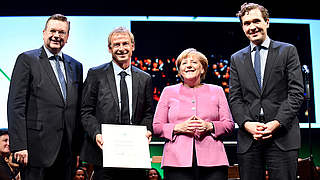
(196, 173)
(101, 173)
(61, 168)
(265, 155)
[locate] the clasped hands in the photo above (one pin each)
(262, 131)
(194, 126)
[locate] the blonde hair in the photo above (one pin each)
(201, 57)
(120, 30)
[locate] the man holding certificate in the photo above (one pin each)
(119, 94)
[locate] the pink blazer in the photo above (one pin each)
(178, 103)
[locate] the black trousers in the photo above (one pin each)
(101, 173)
(265, 155)
(61, 168)
(196, 173)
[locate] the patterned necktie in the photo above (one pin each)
(125, 117)
(257, 65)
(61, 78)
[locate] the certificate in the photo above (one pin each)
(125, 146)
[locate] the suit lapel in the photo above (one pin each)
(135, 89)
(249, 67)
(112, 83)
(68, 68)
(44, 61)
(271, 58)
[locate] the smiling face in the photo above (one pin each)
(121, 49)
(55, 35)
(254, 26)
(191, 70)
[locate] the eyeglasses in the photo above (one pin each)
(61, 33)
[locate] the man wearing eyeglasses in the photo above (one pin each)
(43, 106)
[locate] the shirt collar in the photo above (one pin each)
(49, 54)
(117, 69)
(265, 44)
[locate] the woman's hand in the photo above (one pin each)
(186, 127)
(193, 125)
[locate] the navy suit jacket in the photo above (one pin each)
(280, 97)
(100, 105)
(37, 113)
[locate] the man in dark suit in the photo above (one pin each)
(266, 91)
(105, 102)
(44, 106)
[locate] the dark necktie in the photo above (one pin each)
(61, 78)
(124, 99)
(257, 65)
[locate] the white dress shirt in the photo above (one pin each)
(53, 65)
(263, 55)
(117, 69)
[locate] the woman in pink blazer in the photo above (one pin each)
(192, 116)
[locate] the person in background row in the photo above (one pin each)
(80, 174)
(153, 174)
(8, 170)
(266, 92)
(192, 117)
(115, 93)
(44, 106)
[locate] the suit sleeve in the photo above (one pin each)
(291, 105)
(161, 125)
(17, 104)
(88, 106)
(79, 134)
(148, 106)
(239, 108)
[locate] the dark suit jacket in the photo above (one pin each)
(37, 113)
(5, 171)
(100, 105)
(281, 95)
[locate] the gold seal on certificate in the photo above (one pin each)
(125, 146)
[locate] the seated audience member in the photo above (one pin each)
(8, 170)
(153, 174)
(80, 174)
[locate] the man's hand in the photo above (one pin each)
(270, 128)
(21, 157)
(255, 128)
(149, 136)
(99, 140)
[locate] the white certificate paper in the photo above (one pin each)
(125, 146)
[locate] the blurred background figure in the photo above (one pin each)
(153, 174)
(8, 169)
(80, 174)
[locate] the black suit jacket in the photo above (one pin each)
(37, 113)
(280, 97)
(5, 171)
(100, 105)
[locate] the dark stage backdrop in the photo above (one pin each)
(159, 43)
